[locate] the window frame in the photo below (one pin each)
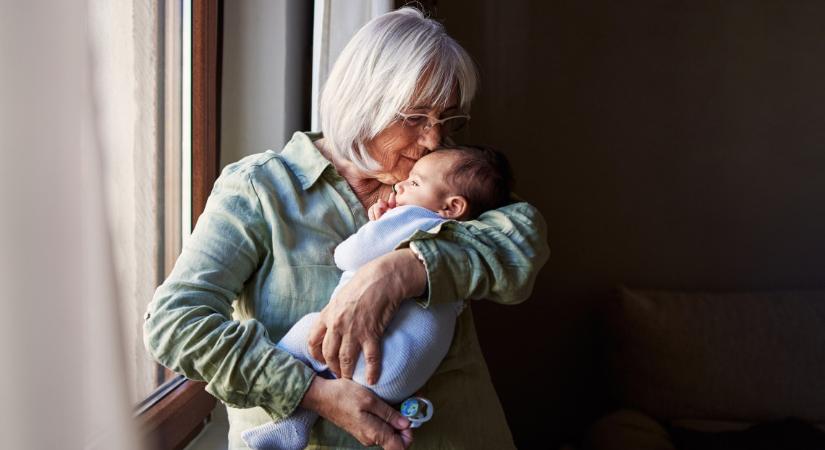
(180, 408)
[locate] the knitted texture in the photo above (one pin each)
(291, 433)
(413, 345)
(379, 237)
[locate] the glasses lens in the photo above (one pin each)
(415, 120)
(455, 124)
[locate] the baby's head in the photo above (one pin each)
(458, 182)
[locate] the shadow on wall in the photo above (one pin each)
(669, 145)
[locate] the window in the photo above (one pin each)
(140, 77)
(158, 82)
(178, 409)
(145, 175)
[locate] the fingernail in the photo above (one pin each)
(402, 422)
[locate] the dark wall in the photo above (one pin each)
(669, 144)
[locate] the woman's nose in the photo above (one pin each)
(431, 137)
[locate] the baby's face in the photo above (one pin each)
(426, 185)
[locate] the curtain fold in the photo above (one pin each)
(126, 43)
(62, 370)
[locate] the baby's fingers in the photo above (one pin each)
(377, 210)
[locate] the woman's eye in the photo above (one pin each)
(415, 120)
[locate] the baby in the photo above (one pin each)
(454, 183)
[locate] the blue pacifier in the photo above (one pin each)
(417, 410)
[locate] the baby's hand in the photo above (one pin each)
(380, 207)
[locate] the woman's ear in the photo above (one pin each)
(455, 207)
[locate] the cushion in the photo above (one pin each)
(627, 429)
(750, 357)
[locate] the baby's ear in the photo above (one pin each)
(455, 207)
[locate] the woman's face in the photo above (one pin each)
(398, 147)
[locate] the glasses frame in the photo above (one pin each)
(430, 121)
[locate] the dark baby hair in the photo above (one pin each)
(482, 175)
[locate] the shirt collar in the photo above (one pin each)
(303, 159)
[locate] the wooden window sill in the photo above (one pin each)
(178, 417)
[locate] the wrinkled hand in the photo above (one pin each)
(359, 412)
(357, 316)
(380, 207)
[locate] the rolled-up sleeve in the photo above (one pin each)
(188, 326)
(495, 257)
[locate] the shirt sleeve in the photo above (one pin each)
(495, 257)
(188, 326)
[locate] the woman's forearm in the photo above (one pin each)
(405, 269)
(496, 257)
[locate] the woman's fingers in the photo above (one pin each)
(372, 358)
(332, 343)
(381, 434)
(391, 201)
(348, 356)
(406, 437)
(389, 415)
(315, 343)
(388, 424)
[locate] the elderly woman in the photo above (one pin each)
(266, 241)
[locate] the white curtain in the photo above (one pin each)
(335, 22)
(62, 370)
(124, 40)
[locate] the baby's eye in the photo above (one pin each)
(414, 183)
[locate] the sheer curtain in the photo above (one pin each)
(62, 369)
(125, 39)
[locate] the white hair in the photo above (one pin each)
(397, 60)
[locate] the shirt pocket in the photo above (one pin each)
(292, 292)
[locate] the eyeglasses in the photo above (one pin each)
(449, 125)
